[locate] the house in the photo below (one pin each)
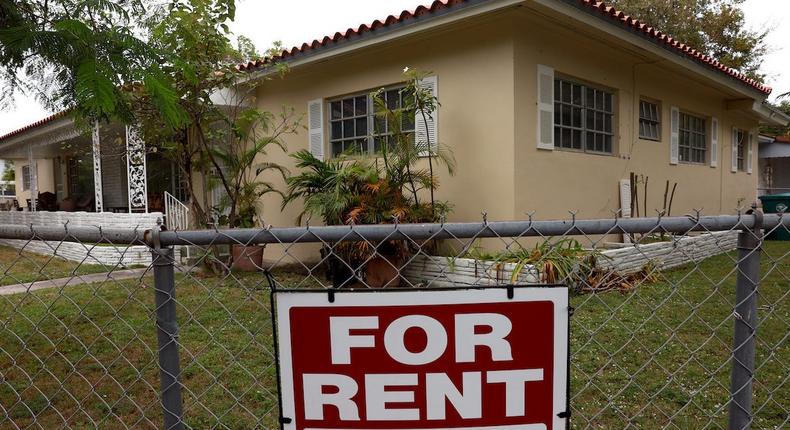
(547, 105)
(774, 164)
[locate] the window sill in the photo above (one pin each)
(363, 157)
(350, 157)
(581, 151)
(693, 163)
(650, 139)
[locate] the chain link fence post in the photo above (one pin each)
(743, 347)
(167, 337)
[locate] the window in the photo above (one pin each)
(349, 125)
(649, 120)
(25, 178)
(692, 141)
(583, 117)
(79, 174)
(395, 100)
(740, 137)
(72, 172)
(354, 126)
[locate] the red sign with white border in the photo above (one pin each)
(460, 359)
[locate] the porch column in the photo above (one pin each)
(33, 177)
(137, 178)
(97, 185)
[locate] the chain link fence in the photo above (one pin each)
(678, 322)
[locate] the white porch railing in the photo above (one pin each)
(176, 213)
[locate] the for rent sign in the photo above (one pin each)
(415, 360)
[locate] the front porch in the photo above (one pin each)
(107, 177)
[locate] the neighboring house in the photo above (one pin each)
(7, 189)
(774, 165)
(547, 106)
(85, 179)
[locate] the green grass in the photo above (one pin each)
(661, 354)
(17, 266)
(654, 358)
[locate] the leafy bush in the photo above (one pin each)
(381, 189)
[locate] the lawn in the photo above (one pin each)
(18, 267)
(653, 358)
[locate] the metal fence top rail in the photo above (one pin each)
(314, 234)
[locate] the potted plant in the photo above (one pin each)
(248, 258)
(244, 174)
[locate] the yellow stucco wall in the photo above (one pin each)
(45, 174)
(475, 74)
(553, 182)
(474, 66)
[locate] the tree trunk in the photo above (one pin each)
(232, 215)
(430, 158)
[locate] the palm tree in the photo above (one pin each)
(240, 163)
(403, 151)
(329, 188)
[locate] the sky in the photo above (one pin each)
(265, 21)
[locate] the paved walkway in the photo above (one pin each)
(71, 281)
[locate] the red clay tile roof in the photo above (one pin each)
(38, 123)
(670, 43)
(328, 41)
(617, 17)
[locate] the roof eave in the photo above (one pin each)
(575, 9)
(62, 125)
(587, 11)
(458, 12)
(771, 115)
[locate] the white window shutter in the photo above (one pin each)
(625, 198)
(674, 141)
(734, 151)
(425, 127)
(625, 204)
(545, 124)
(315, 113)
(750, 154)
(714, 142)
